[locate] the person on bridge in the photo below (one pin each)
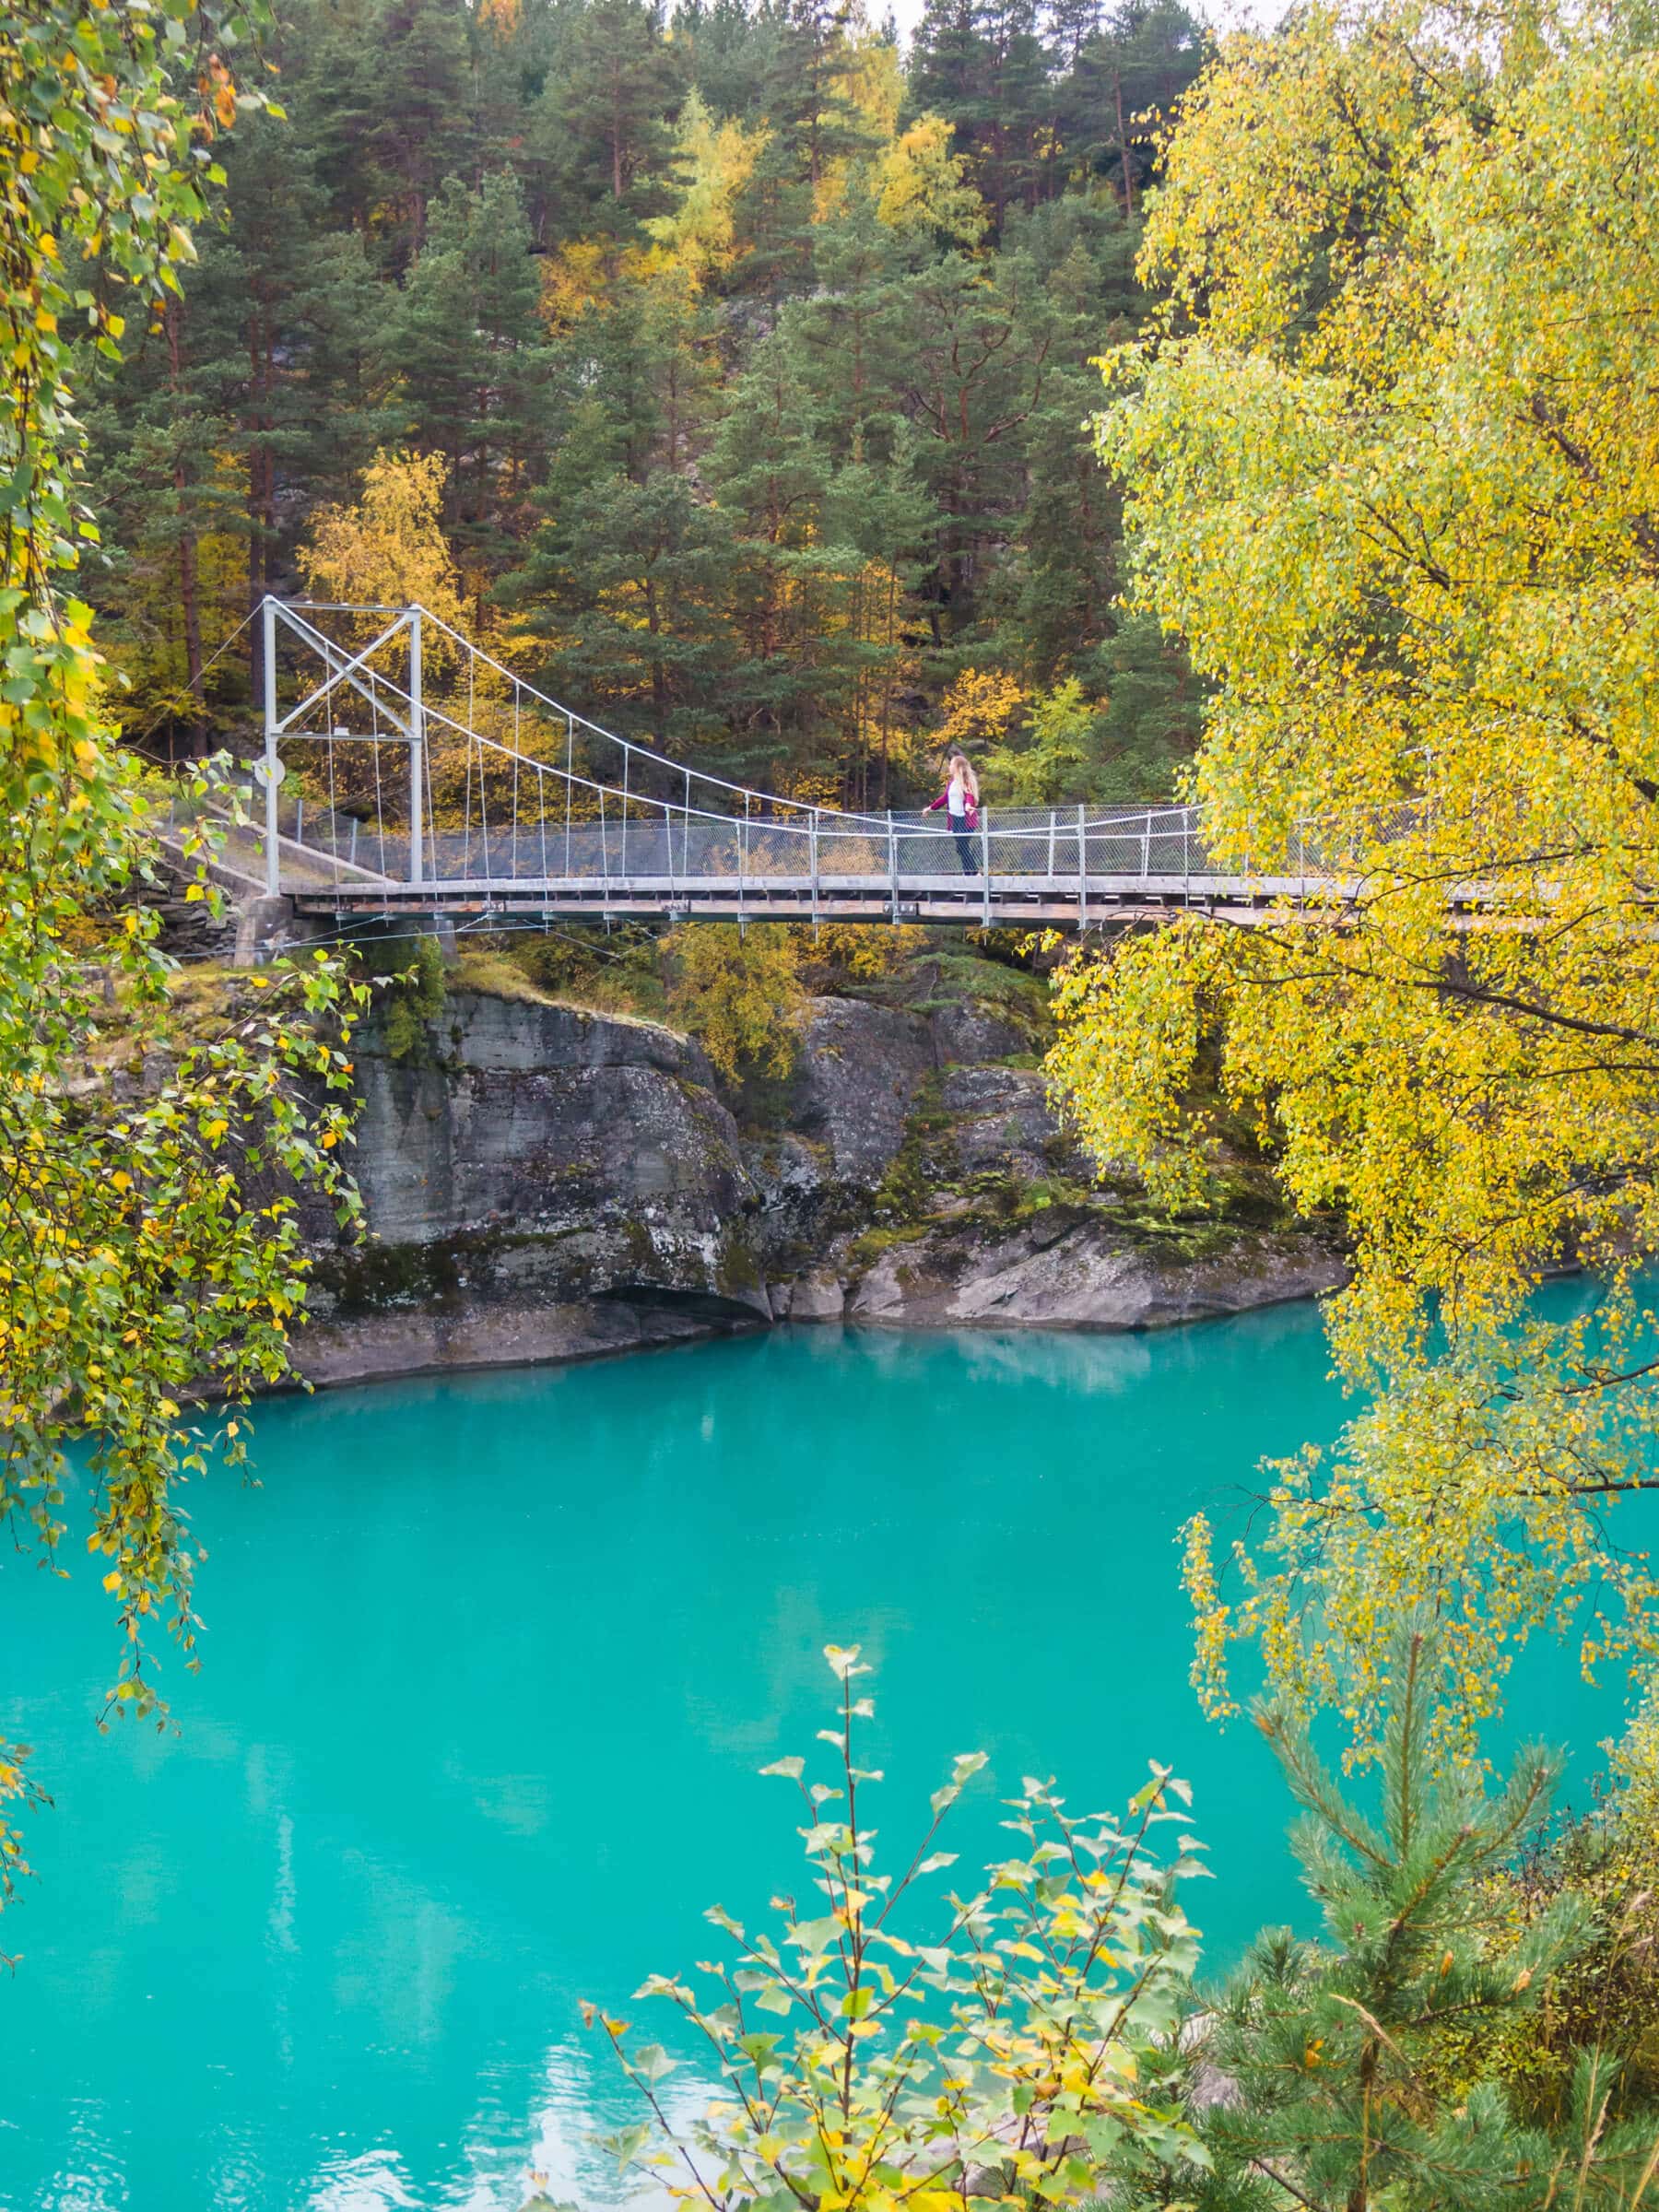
(959, 799)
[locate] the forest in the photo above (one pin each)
(731, 376)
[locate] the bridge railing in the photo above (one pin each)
(491, 812)
(417, 757)
(519, 821)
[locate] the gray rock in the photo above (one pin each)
(551, 1184)
(856, 1076)
(521, 1037)
(543, 1120)
(549, 1181)
(821, 1296)
(1002, 1119)
(967, 1035)
(376, 1347)
(1068, 1270)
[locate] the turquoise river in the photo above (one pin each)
(489, 1670)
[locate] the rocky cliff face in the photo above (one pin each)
(541, 1182)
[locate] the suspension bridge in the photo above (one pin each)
(405, 772)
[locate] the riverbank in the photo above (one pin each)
(543, 1182)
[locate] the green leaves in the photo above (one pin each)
(650, 2062)
(138, 1276)
(1043, 2009)
(967, 1765)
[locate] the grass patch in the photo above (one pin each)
(1015, 992)
(497, 975)
(867, 1250)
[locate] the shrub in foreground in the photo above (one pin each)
(1002, 2054)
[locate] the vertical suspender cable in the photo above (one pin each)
(483, 807)
(380, 800)
(273, 857)
(425, 786)
(333, 820)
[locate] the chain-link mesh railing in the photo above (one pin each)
(415, 756)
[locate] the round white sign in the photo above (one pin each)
(266, 776)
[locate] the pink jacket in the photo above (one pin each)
(970, 818)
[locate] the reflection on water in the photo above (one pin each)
(489, 1671)
(543, 2133)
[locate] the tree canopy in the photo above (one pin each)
(753, 361)
(1390, 471)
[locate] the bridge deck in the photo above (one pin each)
(969, 901)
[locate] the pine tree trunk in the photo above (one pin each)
(659, 687)
(616, 138)
(192, 633)
(886, 686)
(1117, 87)
(256, 560)
(189, 598)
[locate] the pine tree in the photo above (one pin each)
(1052, 593)
(282, 334)
(815, 129)
(473, 361)
(732, 51)
(814, 117)
(982, 64)
(819, 458)
(1010, 167)
(604, 126)
(1315, 2057)
(780, 328)
(770, 467)
(627, 577)
(295, 330)
(950, 69)
(1131, 69)
(421, 127)
(164, 484)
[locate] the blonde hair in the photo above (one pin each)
(968, 778)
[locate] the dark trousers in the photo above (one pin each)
(964, 844)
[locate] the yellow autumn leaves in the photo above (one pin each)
(1390, 465)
